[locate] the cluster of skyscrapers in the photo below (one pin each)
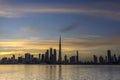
(108, 59)
(51, 57)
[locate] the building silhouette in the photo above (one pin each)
(77, 58)
(50, 57)
(101, 60)
(65, 59)
(47, 56)
(27, 58)
(95, 59)
(109, 56)
(60, 52)
(55, 56)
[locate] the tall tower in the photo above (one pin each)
(77, 58)
(60, 54)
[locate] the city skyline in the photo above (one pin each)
(51, 56)
(32, 26)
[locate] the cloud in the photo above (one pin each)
(21, 32)
(30, 29)
(69, 28)
(93, 43)
(67, 43)
(91, 9)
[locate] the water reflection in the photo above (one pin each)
(52, 70)
(59, 72)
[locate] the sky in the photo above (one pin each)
(36, 25)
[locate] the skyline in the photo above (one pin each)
(52, 57)
(34, 26)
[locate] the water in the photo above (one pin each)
(56, 72)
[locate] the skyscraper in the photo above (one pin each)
(47, 56)
(109, 56)
(77, 58)
(54, 56)
(60, 54)
(27, 58)
(51, 55)
(95, 59)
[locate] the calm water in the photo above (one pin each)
(55, 72)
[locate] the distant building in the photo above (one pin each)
(55, 56)
(109, 56)
(39, 57)
(60, 52)
(65, 59)
(72, 60)
(51, 55)
(101, 60)
(27, 58)
(43, 58)
(95, 59)
(77, 58)
(47, 56)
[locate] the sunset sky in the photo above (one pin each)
(35, 25)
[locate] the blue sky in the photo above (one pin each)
(84, 25)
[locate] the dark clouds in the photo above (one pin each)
(69, 28)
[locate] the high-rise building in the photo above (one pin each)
(109, 56)
(101, 60)
(51, 55)
(54, 56)
(47, 56)
(13, 59)
(60, 52)
(115, 59)
(43, 58)
(95, 59)
(27, 57)
(72, 59)
(39, 57)
(65, 59)
(77, 58)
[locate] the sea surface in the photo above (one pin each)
(56, 72)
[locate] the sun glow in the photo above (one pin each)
(4, 53)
